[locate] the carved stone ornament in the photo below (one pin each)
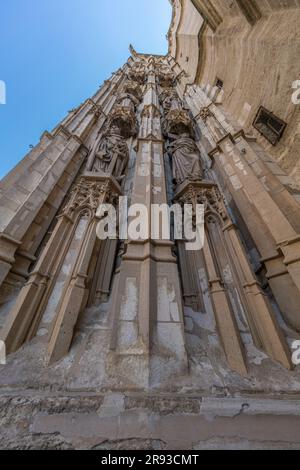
(127, 100)
(137, 74)
(210, 196)
(185, 156)
(112, 154)
(96, 110)
(150, 111)
(125, 119)
(170, 100)
(204, 114)
(165, 76)
(87, 195)
(133, 88)
(178, 121)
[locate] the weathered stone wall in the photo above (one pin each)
(117, 421)
(257, 62)
(106, 355)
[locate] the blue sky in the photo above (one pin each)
(56, 53)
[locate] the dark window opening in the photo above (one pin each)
(219, 83)
(269, 125)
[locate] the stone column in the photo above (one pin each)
(271, 214)
(265, 332)
(148, 317)
(102, 190)
(270, 334)
(226, 323)
(26, 316)
(104, 271)
(272, 231)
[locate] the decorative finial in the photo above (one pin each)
(132, 50)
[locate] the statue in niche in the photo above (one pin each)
(112, 154)
(170, 100)
(185, 158)
(128, 100)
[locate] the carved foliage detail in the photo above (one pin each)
(210, 197)
(88, 195)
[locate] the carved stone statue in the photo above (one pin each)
(112, 154)
(170, 100)
(128, 100)
(166, 77)
(185, 158)
(137, 73)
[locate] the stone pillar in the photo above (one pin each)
(191, 287)
(270, 334)
(97, 190)
(272, 231)
(104, 271)
(226, 323)
(27, 314)
(24, 316)
(148, 317)
(265, 332)
(271, 214)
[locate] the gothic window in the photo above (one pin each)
(269, 125)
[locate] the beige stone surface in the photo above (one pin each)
(141, 344)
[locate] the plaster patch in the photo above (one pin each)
(144, 169)
(227, 274)
(157, 158)
(127, 334)
(156, 190)
(241, 167)
(174, 312)
(236, 182)
(189, 324)
(130, 300)
(255, 356)
(157, 171)
(229, 170)
(167, 306)
(244, 114)
(42, 332)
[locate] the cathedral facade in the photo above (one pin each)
(141, 343)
